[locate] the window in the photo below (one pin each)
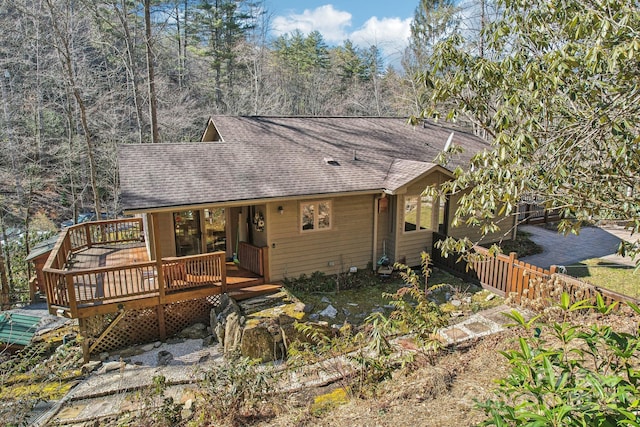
(418, 213)
(315, 215)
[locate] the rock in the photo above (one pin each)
(148, 347)
(232, 333)
(456, 314)
(213, 320)
(175, 340)
(346, 312)
(284, 319)
(196, 331)
(352, 304)
(164, 358)
(466, 300)
(258, 343)
(218, 333)
(111, 366)
(204, 358)
(377, 310)
(91, 366)
(300, 307)
(329, 312)
(447, 296)
(104, 356)
(132, 351)
(314, 317)
(490, 297)
(157, 344)
(455, 302)
(224, 302)
(209, 341)
(325, 300)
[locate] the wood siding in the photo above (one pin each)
(348, 243)
(167, 237)
(410, 244)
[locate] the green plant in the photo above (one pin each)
(569, 375)
(238, 388)
(413, 311)
(155, 408)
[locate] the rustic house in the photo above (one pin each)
(257, 200)
(317, 193)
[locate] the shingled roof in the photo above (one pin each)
(258, 158)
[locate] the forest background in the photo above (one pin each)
(79, 77)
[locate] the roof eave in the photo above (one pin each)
(245, 202)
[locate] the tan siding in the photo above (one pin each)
(384, 234)
(411, 244)
(167, 238)
(347, 244)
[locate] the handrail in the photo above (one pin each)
(251, 258)
(80, 288)
(86, 234)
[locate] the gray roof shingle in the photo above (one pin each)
(273, 157)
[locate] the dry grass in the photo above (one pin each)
(440, 395)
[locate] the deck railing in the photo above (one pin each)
(181, 273)
(251, 258)
(72, 289)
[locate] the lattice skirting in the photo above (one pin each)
(143, 325)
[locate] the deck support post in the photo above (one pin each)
(155, 227)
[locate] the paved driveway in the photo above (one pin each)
(592, 242)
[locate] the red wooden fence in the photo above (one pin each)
(507, 276)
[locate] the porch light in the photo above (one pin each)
(280, 210)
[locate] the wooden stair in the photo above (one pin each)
(240, 294)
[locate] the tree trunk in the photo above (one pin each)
(153, 103)
(131, 67)
(64, 53)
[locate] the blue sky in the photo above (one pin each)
(384, 23)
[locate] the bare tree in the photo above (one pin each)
(63, 47)
(153, 101)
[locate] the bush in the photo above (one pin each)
(569, 375)
(235, 390)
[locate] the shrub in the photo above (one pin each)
(568, 375)
(235, 390)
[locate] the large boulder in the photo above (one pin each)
(233, 327)
(259, 343)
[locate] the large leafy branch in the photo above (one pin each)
(557, 93)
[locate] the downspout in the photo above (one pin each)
(374, 251)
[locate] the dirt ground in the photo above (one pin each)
(440, 395)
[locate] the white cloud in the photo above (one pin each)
(391, 35)
(331, 23)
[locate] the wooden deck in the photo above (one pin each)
(103, 267)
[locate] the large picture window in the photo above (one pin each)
(315, 215)
(418, 213)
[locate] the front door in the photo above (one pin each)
(187, 232)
